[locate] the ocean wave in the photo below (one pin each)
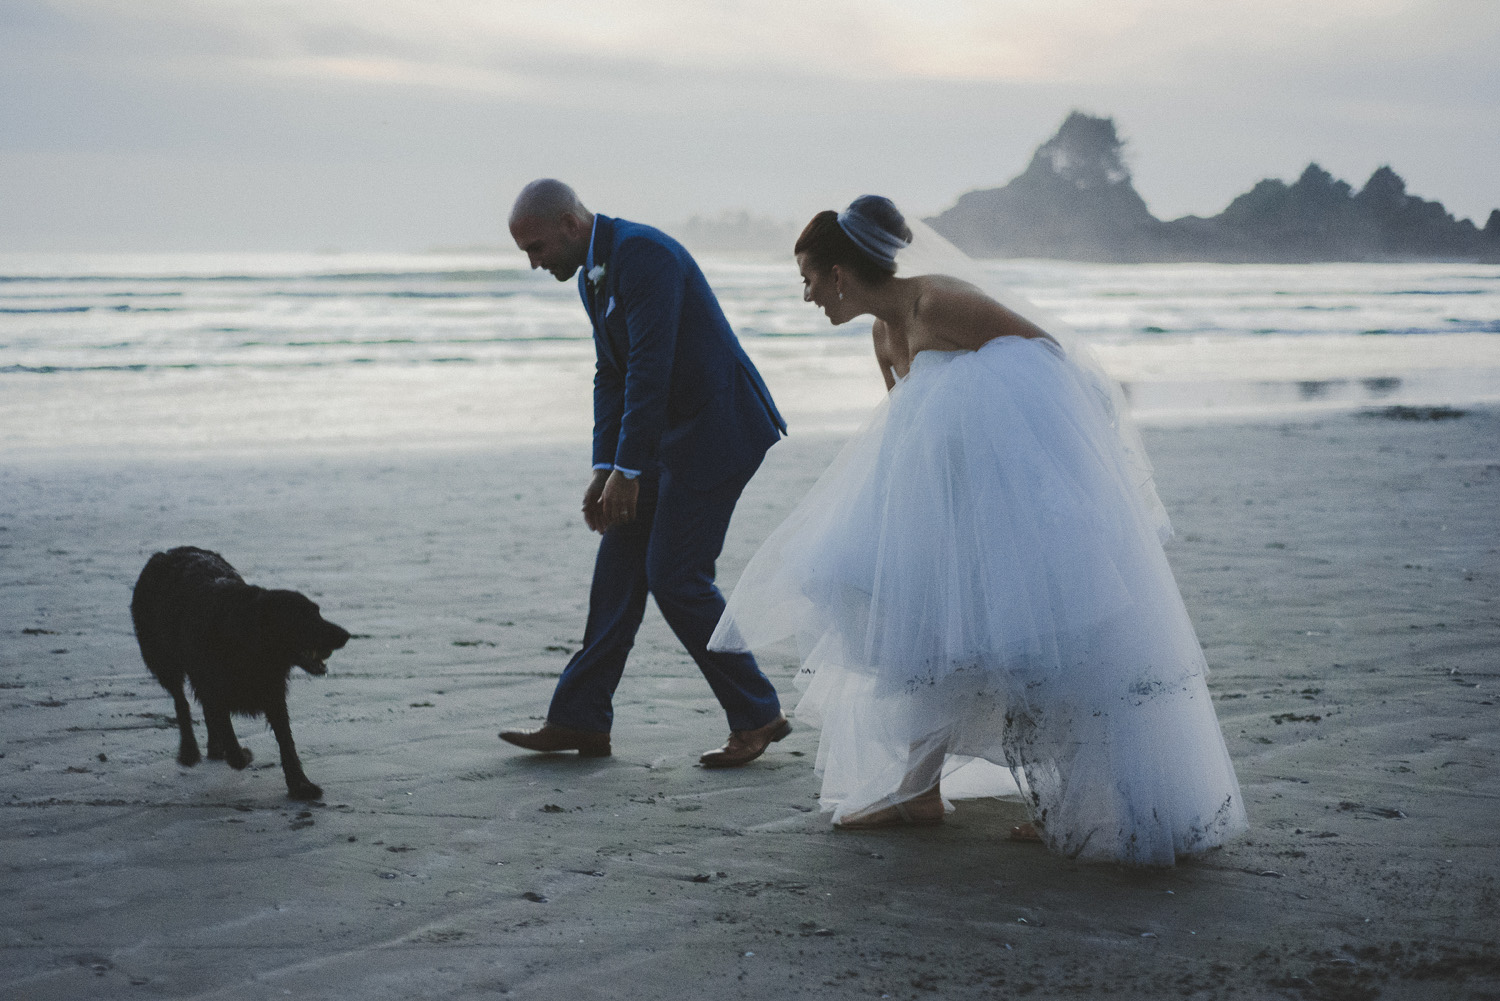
(398, 294)
(1453, 325)
(352, 342)
(498, 274)
(60, 369)
(247, 366)
(117, 308)
(1449, 325)
(1439, 291)
(380, 315)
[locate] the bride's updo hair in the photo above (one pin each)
(863, 238)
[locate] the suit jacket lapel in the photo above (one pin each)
(597, 295)
(584, 293)
(604, 243)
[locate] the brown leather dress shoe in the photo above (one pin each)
(549, 737)
(745, 746)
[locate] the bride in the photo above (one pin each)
(978, 579)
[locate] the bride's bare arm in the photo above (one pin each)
(888, 354)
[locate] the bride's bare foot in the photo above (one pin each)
(1025, 832)
(921, 810)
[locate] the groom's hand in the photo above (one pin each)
(593, 513)
(618, 500)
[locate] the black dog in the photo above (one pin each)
(195, 617)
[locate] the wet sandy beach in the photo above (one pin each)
(1342, 572)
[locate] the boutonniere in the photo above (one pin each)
(596, 275)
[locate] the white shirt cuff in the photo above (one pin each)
(629, 474)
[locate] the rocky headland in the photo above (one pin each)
(1075, 201)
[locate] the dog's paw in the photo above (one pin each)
(303, 790)
(239, 760)
(188, 757)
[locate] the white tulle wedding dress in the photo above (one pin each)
(979, 577)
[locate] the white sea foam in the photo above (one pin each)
(214, 352)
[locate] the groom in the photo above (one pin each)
(681, 423)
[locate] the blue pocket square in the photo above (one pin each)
(611, 307)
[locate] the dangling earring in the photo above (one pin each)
(841, 294)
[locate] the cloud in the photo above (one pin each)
(492, 46)
(677, 106)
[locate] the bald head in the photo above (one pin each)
(551, 225)
(547, 200)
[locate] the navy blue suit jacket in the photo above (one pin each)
(673, 389)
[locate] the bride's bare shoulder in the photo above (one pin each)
(939, 294)
(965, 314)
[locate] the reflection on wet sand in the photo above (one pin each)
(1171, 401)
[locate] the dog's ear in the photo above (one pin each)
(295, 621)
(267, 615)
(258, 622)
(286, 613)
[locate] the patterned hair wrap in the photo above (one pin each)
(862, 221)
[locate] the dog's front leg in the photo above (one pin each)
(222, 743)
(298, 786)
(187, 748)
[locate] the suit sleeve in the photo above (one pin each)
(649, 288)
(609, 405)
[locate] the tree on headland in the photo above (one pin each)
(1075, 199)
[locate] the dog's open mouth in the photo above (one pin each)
(313, 661)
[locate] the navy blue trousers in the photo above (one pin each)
(668, 552)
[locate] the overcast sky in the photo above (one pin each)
(408, 124)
